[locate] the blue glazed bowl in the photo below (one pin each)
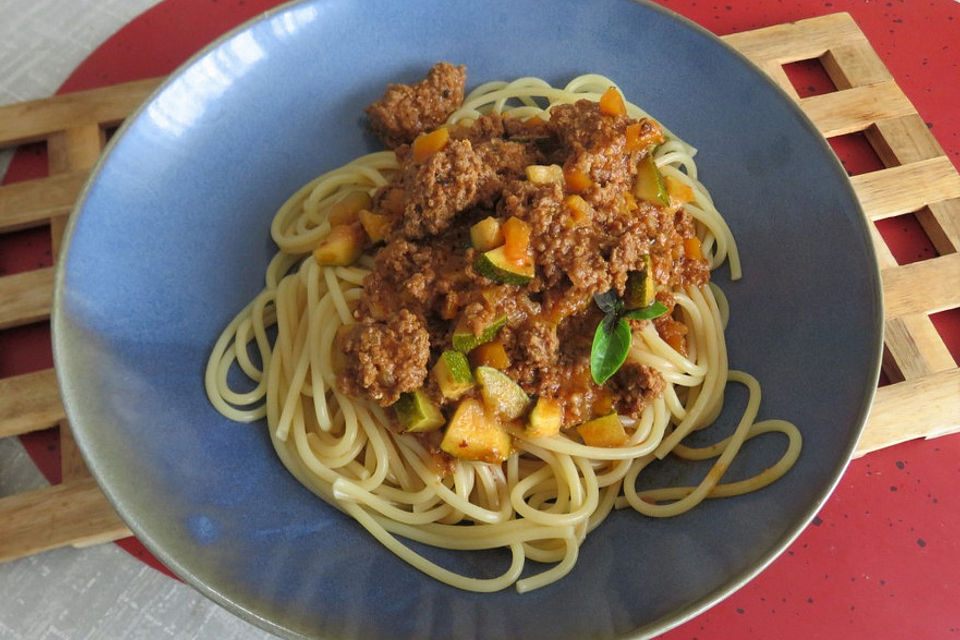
(171, 239)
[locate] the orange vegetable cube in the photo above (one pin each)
(643, 134)
(427, 144)
(606, 431)
(679, 191)
(691, 247)
(375, 224)
(576, 181)
(582, 212)
(516, 240)
(611, 103)
(490, 354)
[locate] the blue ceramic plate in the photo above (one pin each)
(171, 240)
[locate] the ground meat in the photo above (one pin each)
(405, 111)
(486, 127)
(536, 348)
(634, 386)
(385, 358)
(437, 189)
(424, 284)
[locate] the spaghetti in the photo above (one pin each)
(550, 492)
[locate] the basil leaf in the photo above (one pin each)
(609, 302)
(609, 350)
(650, 312)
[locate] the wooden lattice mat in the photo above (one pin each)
(922, 401)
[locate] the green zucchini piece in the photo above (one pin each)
(417, 412)
(650, 185)
(452, 373)
(501, 395)
(494, 264)
(465, 341)
(641, 289)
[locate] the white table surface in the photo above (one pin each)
(100, 592)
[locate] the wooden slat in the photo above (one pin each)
(72, 465)
(32, 203)
(29, 402)
(928, 286)
(794, 41)
(26, 297)
(854, 65)
(897, 190)
(941, 223)
(32, 121)
(885, 259)
(842, 112)
(69, 513)
(916, 347)
(903, 140)
(922, 407)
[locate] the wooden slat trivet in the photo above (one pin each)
(922, 401)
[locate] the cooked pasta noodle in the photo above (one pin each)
(546, 497)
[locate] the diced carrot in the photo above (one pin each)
(576, 181)
(679, 191)
(582, 212)
(535, 120)
(427, 144)
(611, 103)
(691, 247)
(516, 240)
(643, 134)
(676, 340)
(346, 209)
(490, 354)
(375, 224)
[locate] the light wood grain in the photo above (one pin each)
(903, 140)
(72, 465)
(31, 203)
(794, 41)
(854, 65)
(32, 121)
(25, 297)
(29, 402)
(941, 223)
(908, 188)
(69, 513)
(917, 408)
(928, 286)
(842, 112)
(916, 347)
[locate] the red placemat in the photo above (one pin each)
(879, 559)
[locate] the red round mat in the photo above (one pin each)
(879, 560)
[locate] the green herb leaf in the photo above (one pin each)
(650, 312)
(609, 302)
(609, 350)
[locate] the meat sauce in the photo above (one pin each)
(425, 284)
